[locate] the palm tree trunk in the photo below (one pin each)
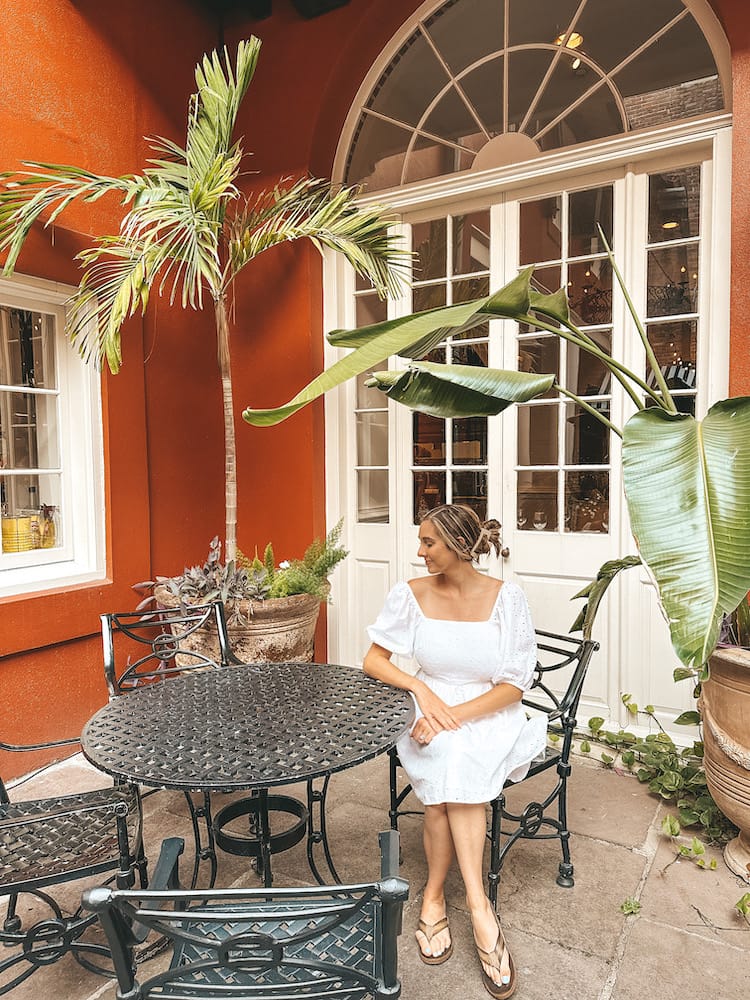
(230, 450)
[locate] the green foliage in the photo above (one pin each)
(309, 575)
(695, 851)
(630, 906)
(675, 774)
(743, 906)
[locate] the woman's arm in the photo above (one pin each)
(437, 714)
(500, 696)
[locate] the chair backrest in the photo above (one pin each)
(562, 665)
(326, 941)
(146, 646)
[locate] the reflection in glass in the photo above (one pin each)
(368, 398)
(590, 292)
(405, 94)
(546, 280)
(30, 340)
(674, 204)
(28, 431)
(471, 243)
(587, 501)
(470, 441)
(370, 309)
(537, 434)
(672, 281)
(436, 356)
(541, 237)
(470, 288)
(586, 375)
(429, 439)
(471, 354)
(372, 496)
(470, 488)
(30, 507)
(378, 154)
(428, 297)
(372, 437)
(429, 492)
(586, 437)
(537, 500)
(430, 242)
(675, 347)
(587, 210)
(540, 355)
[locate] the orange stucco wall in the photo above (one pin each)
(82, 82)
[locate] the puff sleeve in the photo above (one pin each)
(518, 652)
(396, 624)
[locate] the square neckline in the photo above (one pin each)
(458, 621)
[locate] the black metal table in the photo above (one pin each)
(249, 727)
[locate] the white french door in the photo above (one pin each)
(549, 470)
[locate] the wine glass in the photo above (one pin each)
(540, 520)
(521, 518)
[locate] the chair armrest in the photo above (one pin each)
(24, 747)
(166, 872)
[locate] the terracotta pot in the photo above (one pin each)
(725, 708)
(278, 629)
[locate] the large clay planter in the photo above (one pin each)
(725, 708)
(279, 629)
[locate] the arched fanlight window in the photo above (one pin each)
(483, 83)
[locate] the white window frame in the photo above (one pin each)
(81, 556)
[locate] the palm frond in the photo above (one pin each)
(312, 209)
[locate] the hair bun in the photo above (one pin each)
(490, 537)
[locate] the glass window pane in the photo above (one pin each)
(483, 86)
(428, 297)
(540, 233)
(465, 32)
(540, 355)
(586, 437)
(429, 492)
(430, 244)
(30, 507)
(429, 158)
(367, 398)
(587, 210)
(28, 431)
(674, 204)
(586, 375)
(377, 155)
(612, 31)
(471, 243)
(470, 488)
(675, 347)
(596, 117)
(672, 281)
(590, 292)
(470, 288)
(470, 441)
(546, 280)
(537, 434)
(451, 119)
(526, 69)
(370, 309)
(470, 354)
(410, 83)
(428, 440)
(372, 496)
(537, 501)
(30, 346)
(372, 438)
(587, 501)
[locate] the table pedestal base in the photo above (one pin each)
(259, 842)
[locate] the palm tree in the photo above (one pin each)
(187, 230)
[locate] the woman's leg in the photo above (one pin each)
(438, 849)
(468, 827)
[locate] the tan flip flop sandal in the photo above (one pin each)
(429, 931)
(494, 958)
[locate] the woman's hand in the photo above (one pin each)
(422, 733)
(437, 714)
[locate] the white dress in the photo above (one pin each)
(460, 661)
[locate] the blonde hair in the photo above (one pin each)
(459, 528)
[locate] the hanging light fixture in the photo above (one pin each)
(575, 40)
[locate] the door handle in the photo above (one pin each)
(505, 552)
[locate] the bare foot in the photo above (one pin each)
(433, 910)
(486, 936)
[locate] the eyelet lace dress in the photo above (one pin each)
(460, 661)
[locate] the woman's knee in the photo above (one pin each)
(437, 811)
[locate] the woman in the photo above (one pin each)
(474, 642)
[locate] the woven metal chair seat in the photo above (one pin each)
(55, 839)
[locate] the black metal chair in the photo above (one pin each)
(141, 647)
(46, 842)
(147, 647)
(565, 659)
(269, 944)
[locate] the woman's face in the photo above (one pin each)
(436, 554)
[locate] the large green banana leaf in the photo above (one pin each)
(376, 343)
(687, 485)
(459, 390)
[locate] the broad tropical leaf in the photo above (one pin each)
(595, 591)
(459, 390)
(687, 485)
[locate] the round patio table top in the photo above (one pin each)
(247, 726)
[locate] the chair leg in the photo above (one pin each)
(565, 877)
(393, 769)
(493, 875)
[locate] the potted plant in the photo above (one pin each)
(188, 228)
(272, 611)
(687, 487)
